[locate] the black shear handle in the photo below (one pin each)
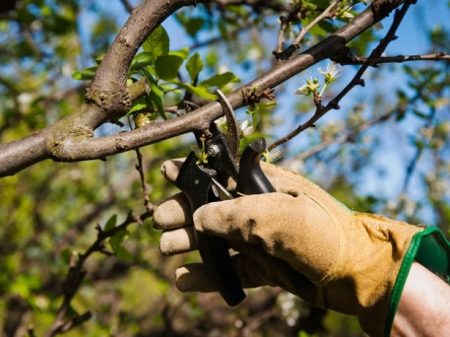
(251, 178)
(195, 182)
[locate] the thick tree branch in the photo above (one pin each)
(71, 139)
(200, 118)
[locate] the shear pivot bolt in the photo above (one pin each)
(213, 150)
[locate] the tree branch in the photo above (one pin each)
(128, 6)
(76, 275)
(356, 80)
(396, 59)
(348, 136)
(71, 138)
(325, 14)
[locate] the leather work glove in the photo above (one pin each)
(299, 238)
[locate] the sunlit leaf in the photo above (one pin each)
(194, 65)
(167, 66)
(85, 74)
(220, 80)
(157, 43)
(111, 223)
(200, 91)
(138, 105)
(141, 60)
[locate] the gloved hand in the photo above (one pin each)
(299, 238)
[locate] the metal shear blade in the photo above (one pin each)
(220, 191)
(233, 131)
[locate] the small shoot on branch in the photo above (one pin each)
(201, 154)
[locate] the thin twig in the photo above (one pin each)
(356, 80)
(324, 15)
(72, 138)
(128, 6)
(400, 109)
(140, 168)
(76, 274)
(419, 151)
(218, 39)
(285, 23)
(398, 59)
(350, 135)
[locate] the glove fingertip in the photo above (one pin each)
(225, 218)
(172, 213)
(193, 277)
(183, 279)
(206, 217)
(171, 168)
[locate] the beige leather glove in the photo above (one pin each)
(299, 238)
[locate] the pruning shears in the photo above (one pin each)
(204, 182)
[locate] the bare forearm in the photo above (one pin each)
(424, 308)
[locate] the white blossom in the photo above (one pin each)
(331, 73)
(311, 86)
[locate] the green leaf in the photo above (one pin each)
(194, 65)
(122, 253)
(194, 25)
(200, 91)
(85, 74)
(212, 59)
(99, 59)
(219, 80)
(183, 53)
(138, 105)
(117, 247)
(111, 223)
(156, 95)
(167, 66)
(157, 43)
(117, 239)
(141, 60)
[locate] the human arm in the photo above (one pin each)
(424, 308)
(304, 241)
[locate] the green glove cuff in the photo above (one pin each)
(432, 250)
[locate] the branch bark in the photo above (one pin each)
(356, 80)
(397, 59)
(108, 97)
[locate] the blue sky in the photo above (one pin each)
(395, 150)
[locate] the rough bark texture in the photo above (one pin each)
(108, 97)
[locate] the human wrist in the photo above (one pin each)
(430, 249)
(432, 316)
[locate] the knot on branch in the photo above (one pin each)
(252, 95)
(382, 8)
(286, 53)
(63, 133)
(115, 101)
(344, 56)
